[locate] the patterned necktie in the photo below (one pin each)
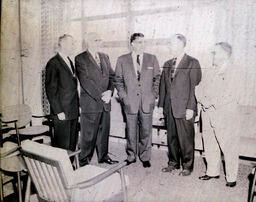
(97, 59)
(71, 65)
(138, 67)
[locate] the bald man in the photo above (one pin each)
(218, 95)
(96, 79)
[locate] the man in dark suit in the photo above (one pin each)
(61, 90)
(96, 82)
(178, 103)
(137, 82)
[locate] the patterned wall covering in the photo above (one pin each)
(52, 21)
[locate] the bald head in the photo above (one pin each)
(92, 40)
(221, 54)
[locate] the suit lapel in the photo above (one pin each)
(91, 59)
(64, 64)
(103, 63)
(181, 65)
(144, 65)
(131, 65)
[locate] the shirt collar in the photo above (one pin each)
(93, 53)
(224, 67)
(134, 55)
(180, 56)
(63, 55)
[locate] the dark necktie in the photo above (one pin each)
(138, 67)
(71, 65)
(173, 68)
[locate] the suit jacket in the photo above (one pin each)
(133, 92)
(179, 94)
(94, 80)
(61, 88)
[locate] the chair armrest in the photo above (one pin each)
(41, 116)
(12, 121)
(98, 178)
(73, 153)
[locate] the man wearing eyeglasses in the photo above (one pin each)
(137, 81)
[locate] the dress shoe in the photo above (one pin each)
(185, 172)
(84, 163)
(130, 162)
(146, 164)
(207, 177)
(108, 161)
(231, 184)
(169, 169)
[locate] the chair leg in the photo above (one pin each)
(1, 187)
(28, 189)
(77, 161)
(19, 187)
(253, 186)
(123, 185)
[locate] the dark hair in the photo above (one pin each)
(135, 36)
(226, 47)
(63, 37)
(181, 38)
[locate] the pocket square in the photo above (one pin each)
(150, 68)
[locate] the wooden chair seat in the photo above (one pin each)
(34, 130)
(20, 117)
(9, 149)
(11, 160)
(11, 163)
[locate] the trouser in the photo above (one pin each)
(180, 140)
(65, 133)
(220, 134)
(95, 129)
(143, 134)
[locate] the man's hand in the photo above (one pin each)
(61, 116)
(189, 114)
(106, 96)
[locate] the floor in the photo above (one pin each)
(151, 184)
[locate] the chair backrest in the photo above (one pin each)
(50, 170)
(247, 147)
(21, 113)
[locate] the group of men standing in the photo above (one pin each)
(139, 83)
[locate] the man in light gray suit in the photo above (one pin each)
(137, 82)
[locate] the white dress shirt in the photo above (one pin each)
(179, 58)
(65, 58)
